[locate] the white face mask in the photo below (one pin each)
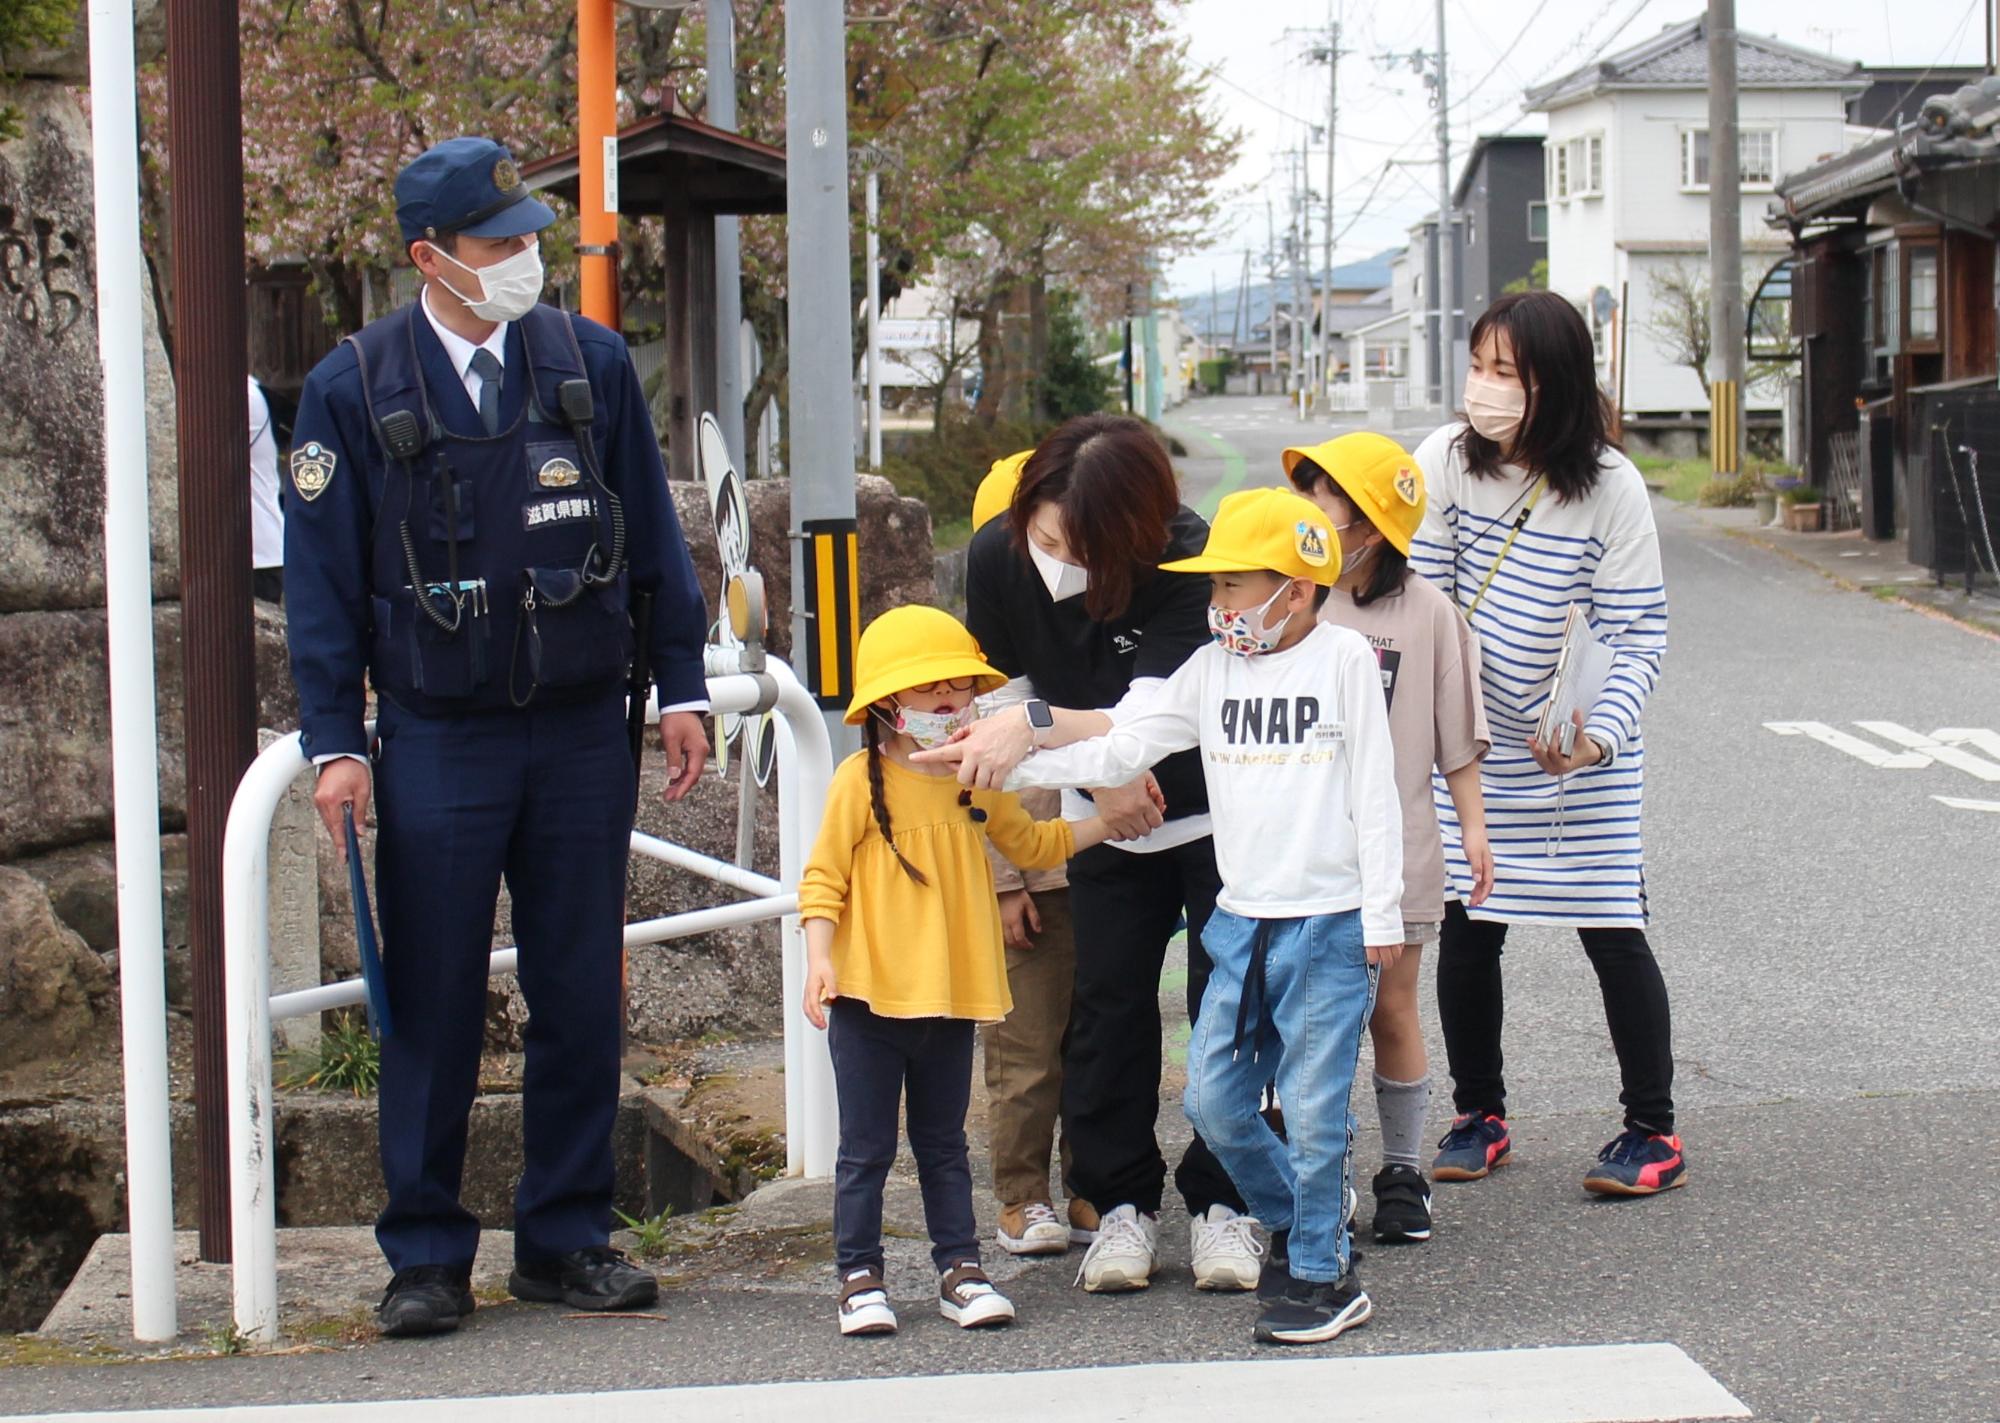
(512, 285)
(1064, 580)
(930, 729)
(1495, 407)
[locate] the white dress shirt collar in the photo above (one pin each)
(460, 350)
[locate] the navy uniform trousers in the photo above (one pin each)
(541, 797)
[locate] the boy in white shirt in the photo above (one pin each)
(1289, 717)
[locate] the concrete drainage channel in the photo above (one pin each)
(62, 1183)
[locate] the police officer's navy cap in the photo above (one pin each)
(467, 185)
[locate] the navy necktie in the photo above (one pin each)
(486, 366)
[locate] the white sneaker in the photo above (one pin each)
(1226, 1252)
(1123, 1255)
(967, 1298)
(864, 1304)
(1032, 1229)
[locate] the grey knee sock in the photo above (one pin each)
(1402, 1106)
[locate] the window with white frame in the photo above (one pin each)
(1559, 172)
(1756, 157)
(1585, 160)
(1538, 222)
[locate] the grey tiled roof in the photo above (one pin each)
(1678, 57)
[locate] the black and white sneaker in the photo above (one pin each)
(1313, 1313)
(1402, 1206)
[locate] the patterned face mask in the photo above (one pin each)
(931, 729)
(1244, 632)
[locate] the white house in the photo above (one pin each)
(1627, 191)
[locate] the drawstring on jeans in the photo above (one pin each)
(1253, 989)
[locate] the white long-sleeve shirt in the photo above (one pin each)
(1301, 777)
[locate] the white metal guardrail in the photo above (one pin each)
(804, 768)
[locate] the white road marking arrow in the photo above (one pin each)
(1853, 745)
(1935, 748)
(1991, 807)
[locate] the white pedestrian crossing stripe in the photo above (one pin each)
(1615, 1383)
(1958, 748)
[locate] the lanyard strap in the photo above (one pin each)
(1519, 520)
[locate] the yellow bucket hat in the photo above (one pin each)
(1377, 474)
(1267, 530)
(996, 491)
(912, 646)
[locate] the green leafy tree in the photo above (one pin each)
(1073, 383)
(29, 25)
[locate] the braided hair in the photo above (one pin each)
(878, 802)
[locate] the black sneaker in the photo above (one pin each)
(1277, 1272)
(1402, 1205)
(595, 1277)
(1312, 1313)
(425, 1299)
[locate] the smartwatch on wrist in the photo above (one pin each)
(1041, 721)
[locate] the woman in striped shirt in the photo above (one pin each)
(1533, 510)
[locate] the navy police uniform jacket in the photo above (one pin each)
(484, 572)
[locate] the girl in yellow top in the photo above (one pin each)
(905, 954)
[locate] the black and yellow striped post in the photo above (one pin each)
(830, 598)
(1725, 428)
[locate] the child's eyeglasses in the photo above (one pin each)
(955, 684)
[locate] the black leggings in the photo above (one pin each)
(1635, 1006)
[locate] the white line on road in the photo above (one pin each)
(1615, 1383)
(1713, 551)
(1934, 748)
(1852, 745)
(1991, 807)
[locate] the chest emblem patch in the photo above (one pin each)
(558, 473)
(312, 470)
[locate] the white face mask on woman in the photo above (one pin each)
(1063, 580)
(1495, 407)
(512, 285)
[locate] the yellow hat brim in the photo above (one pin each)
(1357, 494)
(918, 672)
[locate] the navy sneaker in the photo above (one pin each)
(1637, 1163)
(1312, 1313)
(1475, 1145)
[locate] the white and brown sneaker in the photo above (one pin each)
(864, 1304)
(1083, 1221)
(967, 1298)
(1032, 1228)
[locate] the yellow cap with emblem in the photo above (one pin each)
(1267, 530)
(1377, 475)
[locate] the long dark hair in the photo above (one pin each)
(1114, 486)
(877, 800)
(1567, 426)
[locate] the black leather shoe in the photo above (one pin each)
(595, 1277)
(425, 1299)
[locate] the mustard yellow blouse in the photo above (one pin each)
(910, 950)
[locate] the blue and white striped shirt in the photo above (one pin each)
(1564, 853)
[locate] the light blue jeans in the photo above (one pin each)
(1289, 999)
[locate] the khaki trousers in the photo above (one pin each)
(1024, 1056)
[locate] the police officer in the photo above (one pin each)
(475, 492)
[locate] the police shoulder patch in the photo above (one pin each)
(312, 469)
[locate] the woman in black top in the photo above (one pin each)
(1065, 594)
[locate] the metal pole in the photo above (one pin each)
(1301, 292)
(128, 604)
(1326, 283)
(872, 260)
(729, 381)
(820, 321)
(1150, 335)
(1725, 245)
(597, 158)
(1447, 287)
(205, 151)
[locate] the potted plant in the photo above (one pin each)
(1765, 500)
(1802, 511)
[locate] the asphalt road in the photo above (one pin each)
(1827, 928)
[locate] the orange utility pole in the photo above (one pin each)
(597, 157)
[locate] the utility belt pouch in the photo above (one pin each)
(575, 634)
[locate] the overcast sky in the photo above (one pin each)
(1265, 85)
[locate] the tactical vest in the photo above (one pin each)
(498, 560)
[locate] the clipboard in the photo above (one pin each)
(372, 976)
(1582, 667)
